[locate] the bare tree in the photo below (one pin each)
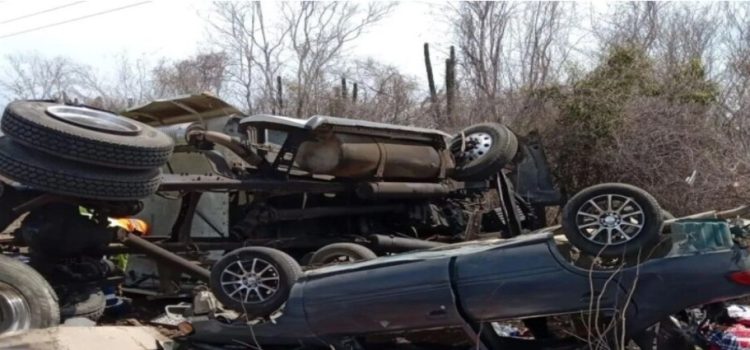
(130, 84)
(318, 33)
(481, 30)
(33, 76)
(268, 60)
(672, 33)
(132, 81)
(254, 48)
(690, 32)
(203, 72)
(386, 95)
(233, 30)
(508, 48)
(735, 74)
(631, 23)
(542, 46)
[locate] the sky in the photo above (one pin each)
(176, 29)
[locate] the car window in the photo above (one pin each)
(275, 137)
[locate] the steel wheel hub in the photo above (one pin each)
(94, 119)
(15, 313)
(610, 219)
(476, 146)
(250, 281)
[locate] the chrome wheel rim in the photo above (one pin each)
(250, 281)
(94, 119)
(15, 313)
(610, 219)
(477, 145)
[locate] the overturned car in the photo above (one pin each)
(413, 300)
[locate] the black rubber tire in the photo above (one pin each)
(47, 173)
(90, 306)
(39, 295)
(305, 259)
(328, 254)
(288, 270)
(648, 236)
(502, 151)
(27, 122)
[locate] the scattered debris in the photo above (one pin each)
(87, 338)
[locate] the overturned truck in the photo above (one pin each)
(322, 190)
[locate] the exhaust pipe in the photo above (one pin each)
(374, 190)
(158, 253)
(196, 134)
(401, 244)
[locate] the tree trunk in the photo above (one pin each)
(431, 81)
(450, 84)
(344, 90)
(279, 99)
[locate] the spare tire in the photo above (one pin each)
(481, 150)
(27, 301)
(47, 173)
(86, 134)
(613, 220)
(254, 280)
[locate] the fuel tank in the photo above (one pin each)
(359, 156)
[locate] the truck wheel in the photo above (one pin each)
(254, 280)
(89, 304)
(26, 299)
(86, 134)
(481, 150)
(341, 252)
(47, 173)
(612, 220)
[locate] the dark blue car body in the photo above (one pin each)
(469, 284)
